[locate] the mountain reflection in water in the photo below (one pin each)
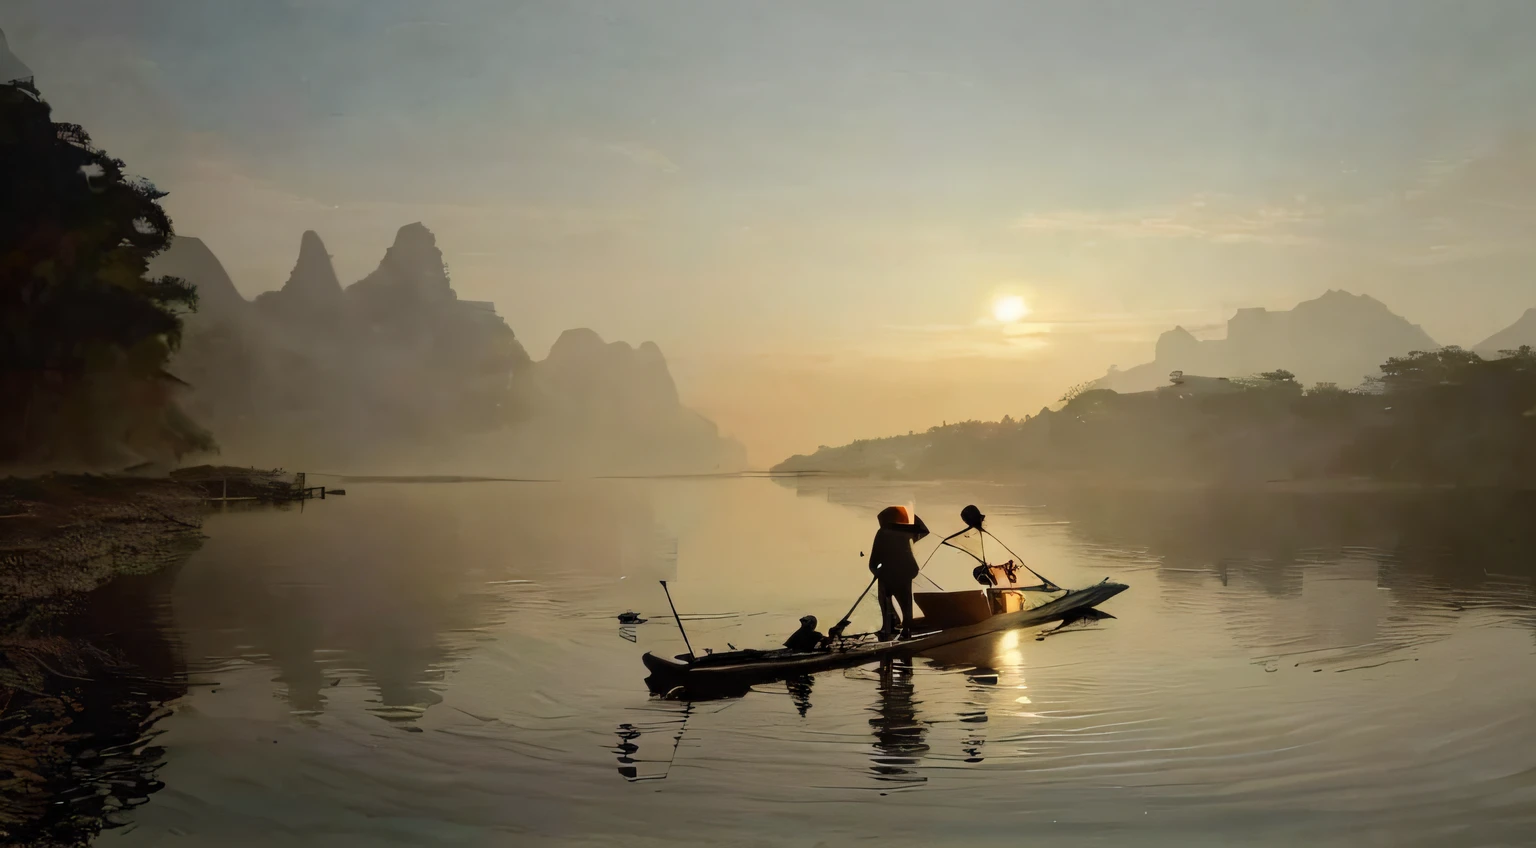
(438, 664)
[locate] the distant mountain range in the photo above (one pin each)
(1338, 338)
(396, 372)
(1273, 426)
(1513, 337)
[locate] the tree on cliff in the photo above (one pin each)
(85, 333)
(1421, 369)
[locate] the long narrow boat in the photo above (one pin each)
(736, 670)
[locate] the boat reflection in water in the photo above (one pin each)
(975, 739)
(901, 728)
(899, 733)
(980, 687)
(800, 692)
(633, 767)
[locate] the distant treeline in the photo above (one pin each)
(1442, 416)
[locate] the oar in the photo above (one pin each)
(837, 629)
(679, 620)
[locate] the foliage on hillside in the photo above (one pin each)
(1430, 416)
(85, 333)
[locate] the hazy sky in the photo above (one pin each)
(824, 198)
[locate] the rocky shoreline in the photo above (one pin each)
(67, 534)
(62, 536)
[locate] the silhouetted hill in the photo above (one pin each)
(600, 405)
(620, 376)
(12, 69)
(1444, 416)
(396, 372)
(411, 281)
(88, 331)
(1522, 332)
(190, 259)
(1336, 338)
(312, 294)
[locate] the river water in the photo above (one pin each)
(441, 664)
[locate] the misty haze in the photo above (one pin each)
(657, 423)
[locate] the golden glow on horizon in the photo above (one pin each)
(1009, 309)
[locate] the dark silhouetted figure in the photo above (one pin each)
(895, 566)
(807, 638)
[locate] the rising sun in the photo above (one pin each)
(1009, 309)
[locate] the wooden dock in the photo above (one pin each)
(233, 485)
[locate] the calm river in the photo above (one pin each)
(441, 665)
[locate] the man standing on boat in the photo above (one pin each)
(895, 566)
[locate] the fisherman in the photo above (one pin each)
(806, 638)
(895, 567)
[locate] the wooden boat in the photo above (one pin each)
(957, 609)
(736, 670)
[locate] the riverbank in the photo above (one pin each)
(66, 534)
(1108, 481)
(65, 709)
(1446, 417)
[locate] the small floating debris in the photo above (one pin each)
(631, 617)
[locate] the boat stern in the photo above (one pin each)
(662, 665)
(1102, 591)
